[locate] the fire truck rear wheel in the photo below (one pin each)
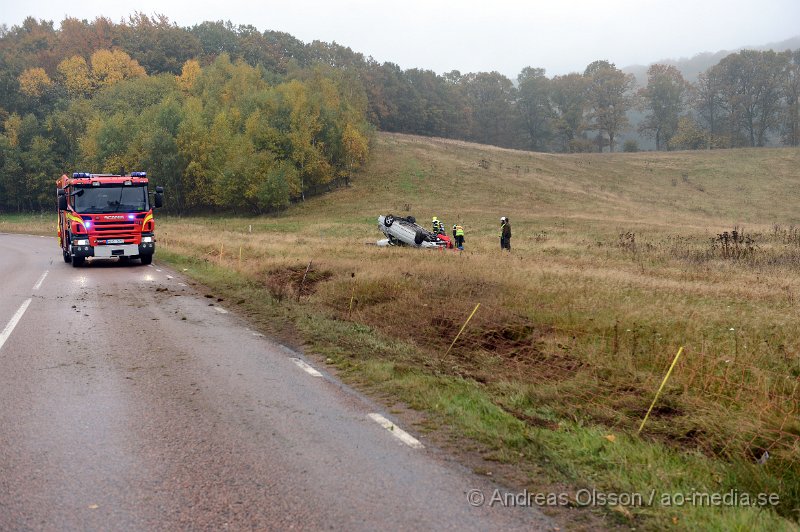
(67, 257)
(147, 259)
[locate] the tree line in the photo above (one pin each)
(749, 98)
(232, 117)
(217, 132)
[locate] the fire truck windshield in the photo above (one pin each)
(105, 199)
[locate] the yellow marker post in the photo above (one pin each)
(221, 247)
(666, 377)
(240, 257)
(462, 328)
(352, 296)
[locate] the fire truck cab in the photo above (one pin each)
(106, 216)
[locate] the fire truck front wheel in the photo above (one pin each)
(77, 261)
(146, 259)
(67, 257)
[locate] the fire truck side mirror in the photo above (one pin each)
(62, 200)
(159, 198)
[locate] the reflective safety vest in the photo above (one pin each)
(502, 226)
(459, 230)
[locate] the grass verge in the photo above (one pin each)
(652, 481)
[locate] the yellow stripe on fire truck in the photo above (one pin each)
(75, 218)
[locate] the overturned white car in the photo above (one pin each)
(405, 232)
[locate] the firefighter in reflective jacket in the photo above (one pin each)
(458, 235)
(436, 225)
(505, 233)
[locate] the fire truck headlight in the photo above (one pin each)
(147, 239)
(81, 242)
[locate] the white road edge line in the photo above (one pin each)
(220, 310)
(38, 284)
(13, 323)
(305, 367)
(396, 431)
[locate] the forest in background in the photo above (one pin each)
(229, 117)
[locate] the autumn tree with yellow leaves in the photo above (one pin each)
(76, 76)
(34, 81)
(112, 66)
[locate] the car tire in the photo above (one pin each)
(411, 219)
(388, 220)
(419, 238)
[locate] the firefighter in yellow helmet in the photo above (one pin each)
(458, 236)
(436, 225)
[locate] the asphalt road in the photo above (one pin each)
(129, 401)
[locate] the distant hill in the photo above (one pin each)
(692, 66)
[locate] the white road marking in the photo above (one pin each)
(305, 367)
(396, 431)
(38, 284)
(158, 270)
(258, 334)
(13, 323)
(181, 284)
(220, 310)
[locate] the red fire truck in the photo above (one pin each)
(105, 216)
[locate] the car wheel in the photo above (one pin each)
(388, 220)
(418, 238)
(411, 219)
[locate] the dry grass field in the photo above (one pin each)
(617, 261)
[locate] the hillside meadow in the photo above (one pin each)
(617, 261)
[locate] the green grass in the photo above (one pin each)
(32, 224)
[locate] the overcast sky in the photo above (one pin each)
(505, 35)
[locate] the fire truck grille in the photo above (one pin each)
(113, 226)
(120, 229)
